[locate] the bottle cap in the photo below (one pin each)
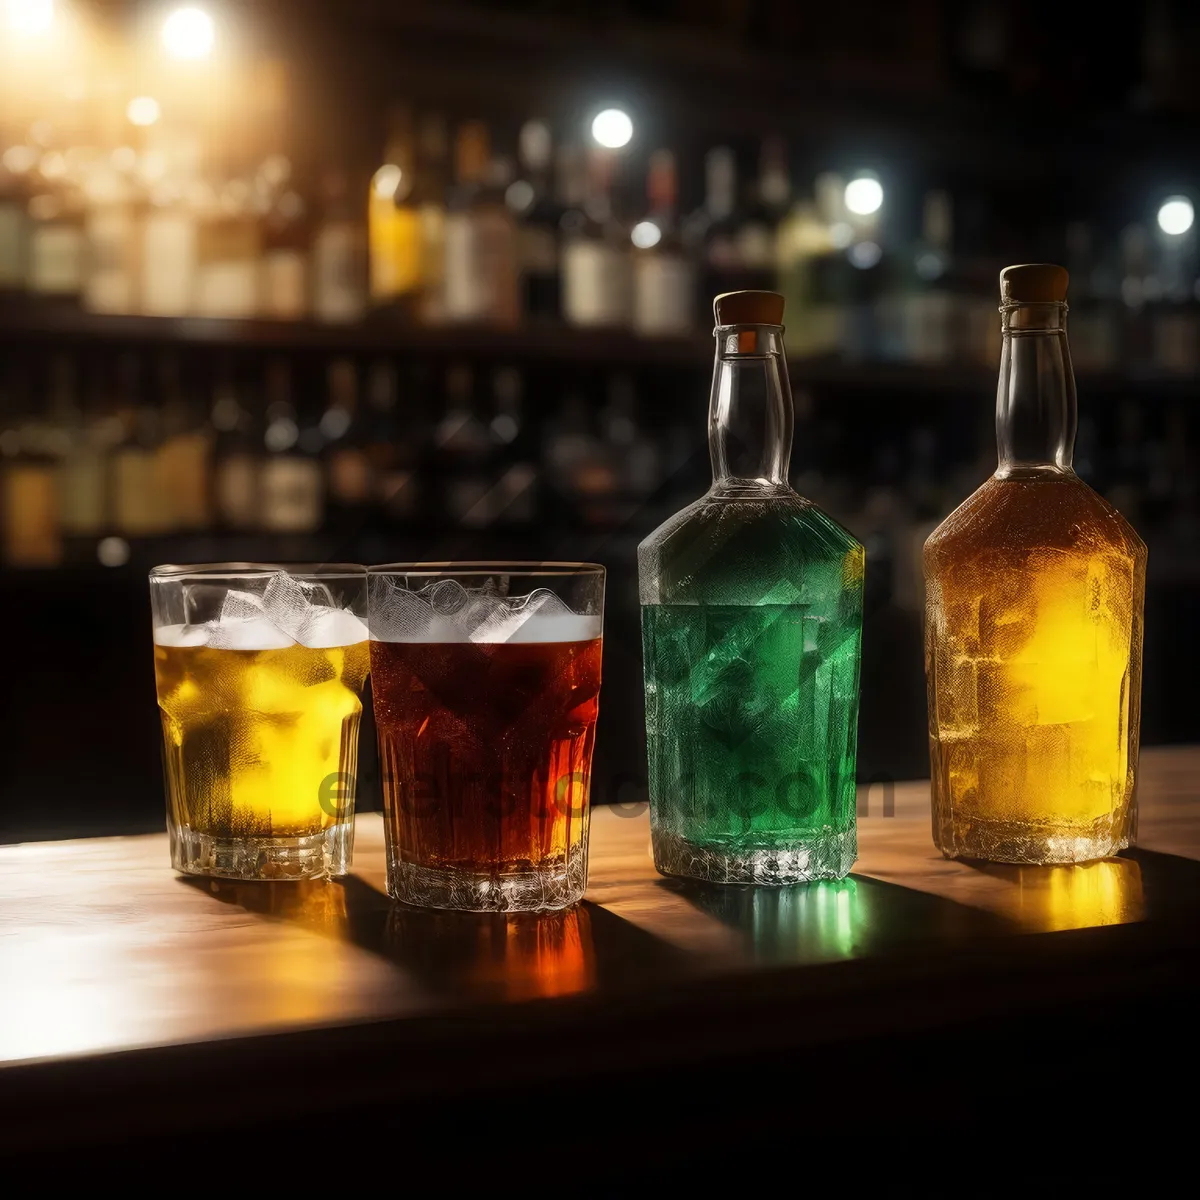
(1033, 283)
(748, 308)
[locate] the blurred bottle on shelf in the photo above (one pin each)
(110, 223)
(56, 234)
(580, 469)
(804, 246)
(754, 238)
(719, 228)
(185, 453)
(464, 447)
(29, 501)
(393, 220)
(229, 231)
(538, 215)
(514, 492)
(597, 279)
(338, 254)
(429, 198)
(927, 305)
(16, 160)
(1094, 336)
(1172, 311)
(629, 445)
(169, 235)
(83, 484)
(392, 455)
(1138, 287)
(664, 280)
(139, 507)
(238, 454)
(481, 239)
(292, 483)
(284, 284)
(348, 464)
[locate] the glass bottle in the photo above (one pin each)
(349, 482)
(531, 199)
(464, 449)
(237, 469)
(391, 446)
(751, 626)
(1033, 631)
(481, 239)
(429, 198)
(30, 525)
(597, 268)
(339, 277)
(393, 222)
(664, 279)
(292, 490)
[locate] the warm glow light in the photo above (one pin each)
(645, 234)
(386, 181)
(1176, 215)
(864, 195)
(188, 33)
(142, 110)
(612, 128)
(29, 16)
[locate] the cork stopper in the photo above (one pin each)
(748, 308)
(1033, 283)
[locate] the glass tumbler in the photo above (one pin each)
(260, 670)
(486, 681)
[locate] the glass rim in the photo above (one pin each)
(482, 567)
(252, 570)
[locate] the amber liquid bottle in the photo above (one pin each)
(1033, 632)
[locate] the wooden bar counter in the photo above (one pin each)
(145, 1011)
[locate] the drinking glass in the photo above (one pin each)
(259, 670)
(486, 680)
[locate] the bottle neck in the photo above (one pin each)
(1035, 397)
(750, 411)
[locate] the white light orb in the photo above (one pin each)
(1176, 214)
(864, 195)
(645, 234)
(30, 17)
(189, 33)
(142, 110)
(612, 129)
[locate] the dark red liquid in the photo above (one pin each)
(486, 750)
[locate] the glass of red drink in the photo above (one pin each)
(486, 682)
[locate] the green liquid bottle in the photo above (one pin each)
(751, 628)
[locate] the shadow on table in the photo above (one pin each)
(475, 957)
(848, 918)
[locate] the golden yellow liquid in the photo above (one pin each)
(260, 743)
(1033, 657)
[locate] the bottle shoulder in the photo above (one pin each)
(718, 547)
(1020, 515)
(791, 515)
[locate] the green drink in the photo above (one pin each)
(751, 628)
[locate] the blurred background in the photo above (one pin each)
(372, 282)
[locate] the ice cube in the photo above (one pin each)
(286, 602)
(181, 635)
(398, 615)
(241, 606)
(247, 633)
(327, 627)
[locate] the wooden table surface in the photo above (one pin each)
(118, 976)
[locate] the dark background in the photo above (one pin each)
(1056, 133)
